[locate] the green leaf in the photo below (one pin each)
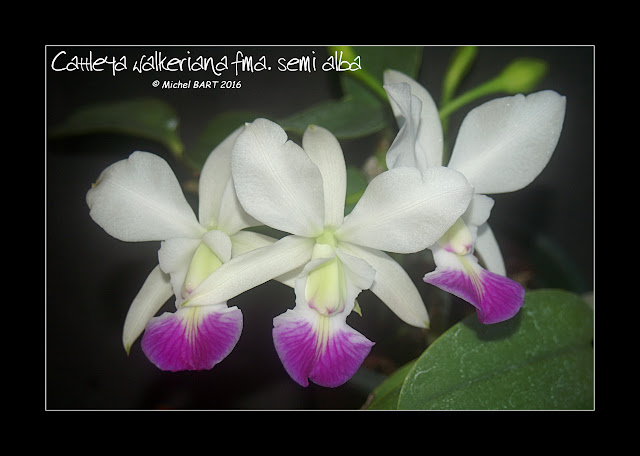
(385, 396)
(540, 359)
(148, 118)
(360, 112)
(356, 185)
(346, 118)
(215, 132)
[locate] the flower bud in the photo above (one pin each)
(522, 75)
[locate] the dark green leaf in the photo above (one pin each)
(147, 118)
(347, 118)
(360, 112)
(356, 185)
(385, 396)
(540, 359)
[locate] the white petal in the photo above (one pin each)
(358, 271)
(245, 241)
(140, 199)
(232, 216)
(478, 211)
(325, 151)
(405, 211)
(405, 150)
(214, 178)
(505, 143)
(488, 250)
(219, 243)
(393, 286)
(429, 133)
(275, 180)
(155, 291)
(175, 257)
(252, 269)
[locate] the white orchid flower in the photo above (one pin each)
(302, 191)
(140, 199)
(502, 146)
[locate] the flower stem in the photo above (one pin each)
(371, 82)
(492, 86)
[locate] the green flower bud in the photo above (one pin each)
(522, 75)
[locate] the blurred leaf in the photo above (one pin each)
(346, 118)
(215, 132)
(148, 118)
(385, 396)
(356, 185)
(360, 112)
(553, 267)
(540, 359)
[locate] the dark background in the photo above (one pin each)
(545, 230)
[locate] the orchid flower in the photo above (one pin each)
(502, 146)
(301, 191)
(140, 199)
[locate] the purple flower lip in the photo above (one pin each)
(192, 338)
(322, 349)
(495, 297)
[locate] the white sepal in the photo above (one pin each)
(155, 291)
(505, 143)
(393, 285)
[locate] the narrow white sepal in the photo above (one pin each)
(155, 291)
(487, 248)
(393, 285)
